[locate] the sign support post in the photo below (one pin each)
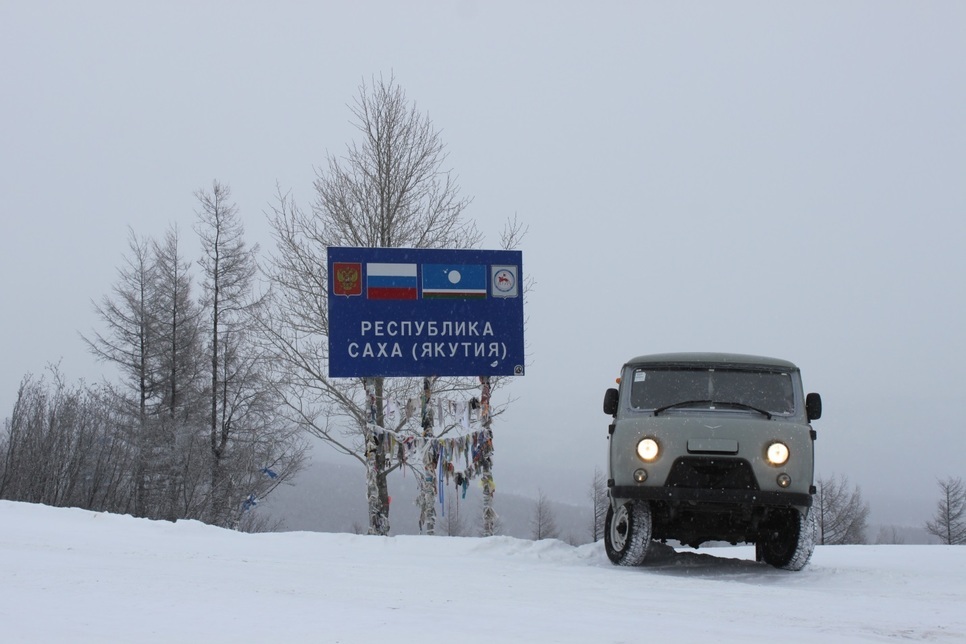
(427, 487)
(489, 514)
(378, 519)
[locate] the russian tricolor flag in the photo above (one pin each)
(391, 281)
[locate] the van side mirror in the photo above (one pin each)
(610, 402)
(813, 406)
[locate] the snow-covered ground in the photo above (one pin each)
(78, 576)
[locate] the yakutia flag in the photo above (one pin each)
(391, 281)
(454, 281)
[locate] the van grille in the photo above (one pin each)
(712, 473)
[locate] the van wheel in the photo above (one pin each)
(627, 532)
(788, 540)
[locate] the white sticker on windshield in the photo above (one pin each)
(639, 376)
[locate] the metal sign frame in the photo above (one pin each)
(418, 312)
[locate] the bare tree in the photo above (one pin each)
(158, 452)
(949, 522)
(598, 498)
(453, 521)
(130, 344)
(60, 448)
(245, 436)
(842, 514)
(889, 535)
(543, 523)
(390, 189)
(178, 328)
(152, 336)
(229, 270)
(180, 380)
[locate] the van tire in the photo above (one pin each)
(627, 532)
(789, 541)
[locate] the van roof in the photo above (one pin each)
(711, 358)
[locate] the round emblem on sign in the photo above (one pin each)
(504, 281)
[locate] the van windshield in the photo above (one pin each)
(658, 387)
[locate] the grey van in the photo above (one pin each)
(711, 447)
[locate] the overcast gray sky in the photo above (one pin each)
(776, 178)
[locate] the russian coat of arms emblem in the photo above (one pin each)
(347, 278)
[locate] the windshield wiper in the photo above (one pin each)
(683, 403)
(713, 403)
(767, 414)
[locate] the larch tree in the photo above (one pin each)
(452, 523)
(248, 445)
(949, 522)
(178, 328)
(543, 523)
(130, 343)
(389, 189)
(151, 336)
(180, 379)
(192, 429)
(842, 513)
(597, 492)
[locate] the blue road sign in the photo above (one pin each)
(425, 312)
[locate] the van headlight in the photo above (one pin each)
(777, 453)
(648, 449)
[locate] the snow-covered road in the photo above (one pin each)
(78, 576)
